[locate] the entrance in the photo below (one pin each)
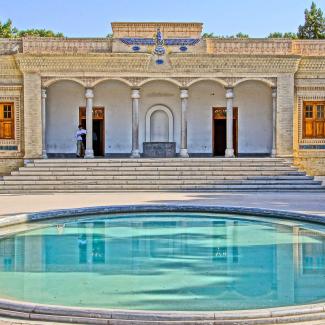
(219, 130)
(98, 128)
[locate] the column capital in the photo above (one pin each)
(184, 93)
(89, 93)
(274, 91)
(135, 93)
(44, 95)
(229, 92)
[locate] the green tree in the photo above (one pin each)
(314, 27)
(283, 35)
(39, 33)
(241, 35)
(7, 30)
(208, 35)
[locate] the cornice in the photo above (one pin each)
(141, 63)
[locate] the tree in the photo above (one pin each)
(39, 33)
(6, 29)
(283, 35)
(238, 35)
(208, 35)
(314, 27)
(241, 35)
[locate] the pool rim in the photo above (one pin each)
(43, 312)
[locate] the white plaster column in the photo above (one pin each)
(274, 109)
(135, 95)
(44, 154)
(183, 148)
(230, 143)
(89, 123)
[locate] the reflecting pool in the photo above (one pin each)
(166, 261)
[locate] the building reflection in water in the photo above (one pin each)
(234, 253)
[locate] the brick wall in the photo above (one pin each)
(32, 115)
(285, 105)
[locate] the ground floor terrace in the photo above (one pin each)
(208, 117)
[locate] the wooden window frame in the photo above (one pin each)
(10, 120)
(313, 120)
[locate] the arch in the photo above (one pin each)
(166, 110)
(50, 82)
(124, 81)
(173, 81)
(217, 80)
(263, 80)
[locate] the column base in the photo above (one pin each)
(89, 154)
(44, 154)
(273, 153)
(183, 153)
(135, 154)
(229, 153)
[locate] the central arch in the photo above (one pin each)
(159, 124)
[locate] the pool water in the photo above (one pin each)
(160, 261)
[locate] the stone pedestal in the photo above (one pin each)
(159, 149)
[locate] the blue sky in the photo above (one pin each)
(91, 18)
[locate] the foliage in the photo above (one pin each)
(38, 32)
(109, 35)
(314, 27)
(283, 35)
(7, 30)
(212, 35)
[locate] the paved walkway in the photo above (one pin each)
(312, 203)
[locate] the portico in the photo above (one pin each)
(158, 109)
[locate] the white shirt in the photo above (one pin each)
(79, 133)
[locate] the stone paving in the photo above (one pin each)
(311, 203)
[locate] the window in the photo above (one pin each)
(7, 121)
(314, 120)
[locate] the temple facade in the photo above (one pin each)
(163, 87)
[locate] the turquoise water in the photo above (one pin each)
(197, 262)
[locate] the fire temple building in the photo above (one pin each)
(160, 88)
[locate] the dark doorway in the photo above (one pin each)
(220, 137)
(219, 140)
(98, 129)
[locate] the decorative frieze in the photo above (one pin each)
(10, 46)
(140, 63)
(47, 45)
(234, 64)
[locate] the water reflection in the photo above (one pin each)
(166, 263)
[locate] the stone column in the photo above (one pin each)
(135, 95)
(89, 123)
(230, 143)
(183, 148)
(44, 154)
(274, 108)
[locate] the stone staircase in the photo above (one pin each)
(195, 174)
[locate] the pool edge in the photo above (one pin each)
(39, 312)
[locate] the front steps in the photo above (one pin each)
(194, 174)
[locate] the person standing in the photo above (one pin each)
(81, 138)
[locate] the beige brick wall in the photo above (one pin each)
(9, 164)
(285, 108)
(32, 115)
(312, 163)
